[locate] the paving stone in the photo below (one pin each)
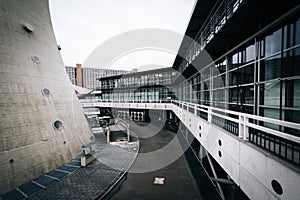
(12, 195)
(57, 174)
(44, 180)
(30, 188)
(67, 168)
(75, 163)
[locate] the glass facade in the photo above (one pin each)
(90, 76)
(139, 87)
(137, 80)
(260, 78)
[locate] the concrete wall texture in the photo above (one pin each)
(29, 62)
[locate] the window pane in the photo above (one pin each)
(247, 74)
(233, 95)
(233, 77)
(250, 54)
(270, 113)
(248, 95)
(297, 32)
(271, 68)
(291, 62)
(273, 43)
(270, 94)
(292, 94)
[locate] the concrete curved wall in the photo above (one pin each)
(29, 62)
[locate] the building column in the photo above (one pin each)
(108, 134)
(128, 134)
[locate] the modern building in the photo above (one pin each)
(90, 76)
(71, 71)
(236, 93)
(79, 77)
(145, 86)
(87, 77)
(42, 125)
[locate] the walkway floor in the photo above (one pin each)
(179, 181)
(94, 180)
(90, 182)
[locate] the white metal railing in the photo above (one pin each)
(245, 126)
(243, 120)
(124, 101)
(252, 128)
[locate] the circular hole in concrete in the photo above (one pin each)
(64, 142)
(46, 92)
(220, 143)
(58, 125)
(277, 187)
(11, 160)
(200, 134)
(220, 154)
(35, 59)
(28, 27)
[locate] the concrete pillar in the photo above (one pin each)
(241, 126)
(108, 134)
(202, 152)
(128, 134)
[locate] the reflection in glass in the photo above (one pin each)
(270, 93)
(273, 43)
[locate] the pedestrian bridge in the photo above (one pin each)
(241, 144)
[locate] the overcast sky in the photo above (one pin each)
(80, 26)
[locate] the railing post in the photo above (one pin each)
(195, 109)
(128, 133)
(209, 115)
(241, 126)
(108, 134)
(246, 129)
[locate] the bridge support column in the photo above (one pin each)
(215, 176)
(108, 134)
(202, 152)
(128, 134)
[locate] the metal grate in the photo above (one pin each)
(227, 125)
(285, 149)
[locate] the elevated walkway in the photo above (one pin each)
(242, 144)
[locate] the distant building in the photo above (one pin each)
(87, 77)
(79, 80)
(135, 70)
(71, 71)
(90, 76)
